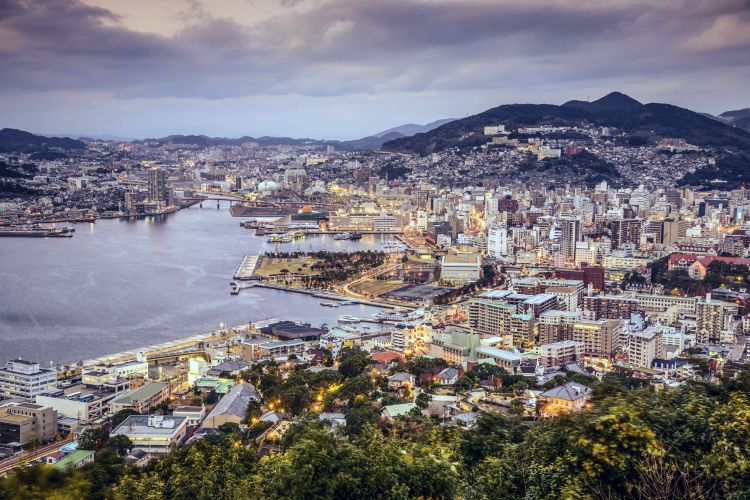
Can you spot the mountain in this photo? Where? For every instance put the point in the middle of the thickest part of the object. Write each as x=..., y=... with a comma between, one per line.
x=650, y=121
x=738, y=118
x=412, y=128
x=14, y=140
x=370, y=142
x=614, y=101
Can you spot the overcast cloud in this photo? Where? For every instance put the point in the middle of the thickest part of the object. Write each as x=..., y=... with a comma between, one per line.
x=343, y=68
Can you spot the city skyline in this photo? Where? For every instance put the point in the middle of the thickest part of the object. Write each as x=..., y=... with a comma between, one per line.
x=342, y=70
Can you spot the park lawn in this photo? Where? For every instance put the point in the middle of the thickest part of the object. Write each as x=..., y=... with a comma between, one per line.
x=375, y=288
x=273, y=266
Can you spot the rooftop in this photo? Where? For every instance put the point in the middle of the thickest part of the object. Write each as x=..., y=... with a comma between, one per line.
x=138, y=425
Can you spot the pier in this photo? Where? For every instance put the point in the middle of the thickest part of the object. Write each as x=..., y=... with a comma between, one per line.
x=247, y=267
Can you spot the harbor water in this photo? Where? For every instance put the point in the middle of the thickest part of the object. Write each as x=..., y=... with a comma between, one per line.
x=122, y=284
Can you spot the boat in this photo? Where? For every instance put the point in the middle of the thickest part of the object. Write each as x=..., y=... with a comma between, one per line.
x=345, y=318
x=330, y=304
x=384, y=316
x=235, y=290
x=276, y=238
x=347, y=302
x=355, y=236
x=286, y=238
x=342, y=236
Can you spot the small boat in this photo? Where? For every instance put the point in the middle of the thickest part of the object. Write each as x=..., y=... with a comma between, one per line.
x=342, y=236
x=330, y=304
x=355, y=236
x=347, y=302
x=345, y=318
x=274, y=239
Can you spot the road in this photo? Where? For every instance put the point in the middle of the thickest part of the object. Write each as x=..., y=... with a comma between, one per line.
x=29, y=456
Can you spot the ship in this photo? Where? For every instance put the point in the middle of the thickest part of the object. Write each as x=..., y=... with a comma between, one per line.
x=345, y=318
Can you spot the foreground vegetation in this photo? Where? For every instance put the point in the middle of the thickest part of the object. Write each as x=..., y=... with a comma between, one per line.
x=691, y=442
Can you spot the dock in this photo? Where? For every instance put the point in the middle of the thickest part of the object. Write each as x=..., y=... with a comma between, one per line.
x=248, y=266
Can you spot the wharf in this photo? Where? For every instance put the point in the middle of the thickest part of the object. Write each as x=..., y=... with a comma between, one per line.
x=247, y=267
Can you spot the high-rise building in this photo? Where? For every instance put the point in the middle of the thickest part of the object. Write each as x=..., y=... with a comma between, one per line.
x=570, y=234
x=715, y=320
x=626, y=231
x=157, y=185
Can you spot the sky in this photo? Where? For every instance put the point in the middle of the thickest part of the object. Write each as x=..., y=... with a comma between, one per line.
x=342, y=69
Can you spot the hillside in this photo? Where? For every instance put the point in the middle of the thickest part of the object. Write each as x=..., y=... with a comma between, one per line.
x=585, y=168
x=14, y=140
x=370, y=142
x=412, y=128
x=738, y=118
x=653, y=121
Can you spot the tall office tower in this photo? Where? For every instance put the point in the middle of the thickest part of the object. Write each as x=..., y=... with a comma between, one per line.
x=571, y=233
x=626, y=231
x=673, y=231
x=157, y=185
x=674, y=198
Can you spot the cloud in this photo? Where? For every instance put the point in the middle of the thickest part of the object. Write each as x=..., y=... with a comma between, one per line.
x=323, y=48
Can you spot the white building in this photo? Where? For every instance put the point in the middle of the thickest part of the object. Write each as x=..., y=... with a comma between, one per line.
x=157, y=434
x=644, y=346
x=497, y=242
x=461, y=268
x=26, y=380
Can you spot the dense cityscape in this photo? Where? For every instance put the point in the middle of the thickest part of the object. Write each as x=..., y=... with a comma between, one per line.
x=533, y=301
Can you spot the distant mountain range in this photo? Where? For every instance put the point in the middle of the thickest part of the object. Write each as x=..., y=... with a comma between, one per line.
x=739, y=118
x=14, y=140
x=412, y=128
x=649, y=121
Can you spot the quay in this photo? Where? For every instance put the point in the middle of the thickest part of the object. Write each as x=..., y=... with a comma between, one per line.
x=332, y=296
x=247, y=267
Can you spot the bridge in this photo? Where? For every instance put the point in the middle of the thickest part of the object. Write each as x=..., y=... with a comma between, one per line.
x=264, y=204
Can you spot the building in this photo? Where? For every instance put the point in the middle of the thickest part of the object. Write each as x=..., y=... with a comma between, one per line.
x=77, y=459
x=193, y=414
x=564, y=398
x=115, y=376
x=23, y=423
x=510, y=361
x=156, y=434
x=26, y=380
x=610, y=306
x=461, y=268
x=600, y=338
x=157, y=185
x=556, y=326
x=626, y=231
x=644, y=347
x=141, y=399
x=570, y=229
x=715, y=321
x=263, y=348
x=455, y=347
x=497, y=242
x=490, y=317
x=232, y=408
x=84, y=407
x=559, y=353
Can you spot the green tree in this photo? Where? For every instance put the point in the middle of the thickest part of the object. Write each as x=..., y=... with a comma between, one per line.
x=121, y=415
x=120, y=444
x=93, y=438
x=353, y=361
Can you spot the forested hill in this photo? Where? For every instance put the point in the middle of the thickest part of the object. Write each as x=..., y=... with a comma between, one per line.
x=614, y=110
x=14, y=140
